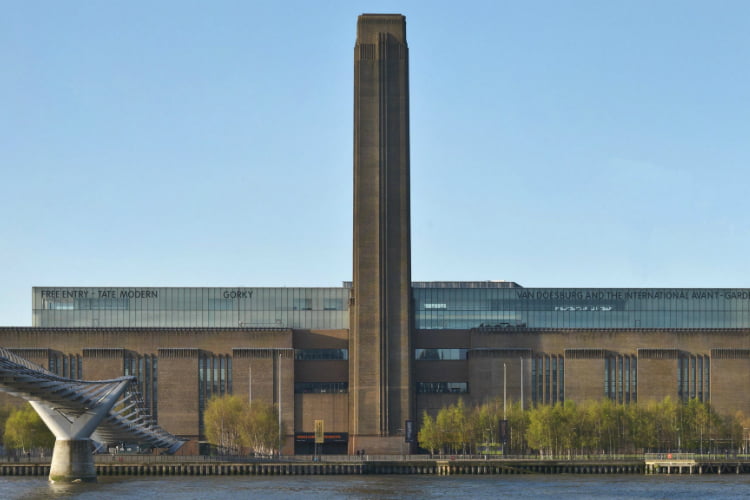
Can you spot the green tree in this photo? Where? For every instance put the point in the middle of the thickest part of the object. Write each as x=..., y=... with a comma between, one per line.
x=732, y=432
x=464, y=435
x=485, y=421
x=24, y=430
x=446, y=429
x=638, y=431
x=565, y=427
x=223, y=422
x=260, y=430
x=602, y=426
x=235, y=426
x=454, y=428
x=650, y=433
x=518, y=423
x=609, y=425
x=539, y=432
x=668, y=423
x=5, y=412
x=429, y=438
x=587, y=427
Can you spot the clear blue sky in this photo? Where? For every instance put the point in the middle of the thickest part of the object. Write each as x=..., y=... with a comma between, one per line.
x=185, y=143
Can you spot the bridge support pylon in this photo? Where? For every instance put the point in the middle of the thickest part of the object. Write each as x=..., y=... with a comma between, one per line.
x=72, y=458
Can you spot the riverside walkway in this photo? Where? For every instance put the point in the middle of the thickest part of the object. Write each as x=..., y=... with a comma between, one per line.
x=161, y=465
x=155, y=465
x=152, y=465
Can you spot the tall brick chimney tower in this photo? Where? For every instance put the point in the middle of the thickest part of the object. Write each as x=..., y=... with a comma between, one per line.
x=380, y=346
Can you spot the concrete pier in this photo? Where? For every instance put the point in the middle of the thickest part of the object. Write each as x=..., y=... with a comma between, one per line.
x=72, y=460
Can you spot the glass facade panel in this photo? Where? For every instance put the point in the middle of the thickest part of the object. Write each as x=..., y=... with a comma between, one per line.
x=464, y=308
x=460, y=305
x=304, y=308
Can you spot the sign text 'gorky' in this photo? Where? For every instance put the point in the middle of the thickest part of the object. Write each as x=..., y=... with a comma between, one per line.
x=238, y=294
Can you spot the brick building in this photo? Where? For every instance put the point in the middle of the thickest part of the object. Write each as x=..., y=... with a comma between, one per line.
x=375, y=353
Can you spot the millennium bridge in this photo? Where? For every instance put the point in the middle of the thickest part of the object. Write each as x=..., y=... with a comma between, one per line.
x=81, y=413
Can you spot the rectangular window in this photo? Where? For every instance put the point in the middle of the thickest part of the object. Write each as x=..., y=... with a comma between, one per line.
x=333, y=304
x=144, y=368
x=562, y=378
x=440, y=354
x=154, y=386
x=682, y=382
x=320, y=387
x=215, y=380
x=627, y=379
x=149, y=378
x=229, y=375
x=321, y=354
x=302, y=304
x=554, y=379
x=707, y=378
x=540, y=378
x=222, y=375
x=442, y=387
x=53, y=364
x=692, y=377
x=607, y=392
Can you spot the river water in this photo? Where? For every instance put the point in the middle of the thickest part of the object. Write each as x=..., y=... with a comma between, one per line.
x=383, y=486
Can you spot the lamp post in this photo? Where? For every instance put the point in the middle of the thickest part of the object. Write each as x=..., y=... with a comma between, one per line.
x=521, y=384
x=505, y=415
x=505, y=388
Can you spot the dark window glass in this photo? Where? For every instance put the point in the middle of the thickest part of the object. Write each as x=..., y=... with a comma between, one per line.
x=321, y=354
x=440, y=354
x=320, y=387
x=442, y=387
